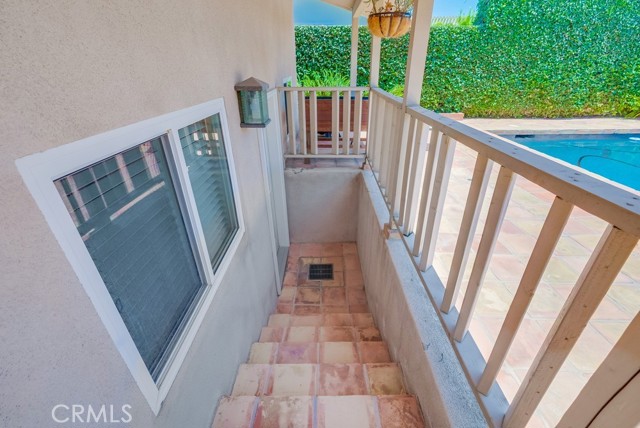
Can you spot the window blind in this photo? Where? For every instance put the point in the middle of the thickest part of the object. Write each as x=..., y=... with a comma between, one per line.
x=206, y=159
x=127, y=212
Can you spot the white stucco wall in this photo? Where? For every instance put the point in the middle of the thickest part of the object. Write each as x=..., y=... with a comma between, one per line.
x=73, y=69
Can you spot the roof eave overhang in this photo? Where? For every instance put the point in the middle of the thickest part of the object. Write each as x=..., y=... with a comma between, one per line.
x=356, y=7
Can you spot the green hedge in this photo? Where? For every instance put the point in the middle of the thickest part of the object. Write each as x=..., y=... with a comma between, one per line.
x=524, y=58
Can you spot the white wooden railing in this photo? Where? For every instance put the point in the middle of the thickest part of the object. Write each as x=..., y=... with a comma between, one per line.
x=343, y=126
x=411, y=151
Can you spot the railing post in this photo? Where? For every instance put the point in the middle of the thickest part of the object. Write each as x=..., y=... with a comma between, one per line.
x=291, y=123
x=397, y=149
x=335, y=122
x=427, y=186
x=438, y=195
x=417, y=172
x=313, y=121
x=302, y=118
x=417, y=56
x=372, y=132
x=497, y=210
x=374, y=72
x=381, y=109
x=407, y=170
x=385, y=146
x=475, y=199
x=346, y=119
x=357, y=122
x=622, y=409
x=540, y=256
x=618, y=368
x=355, y=24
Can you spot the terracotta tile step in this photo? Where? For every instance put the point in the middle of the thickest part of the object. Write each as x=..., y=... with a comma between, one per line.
x=319, y=379
x=291, y=309
x=320, y=334
x=349, y=279
x=355, y=411
x=332, y=319
x=316, y=295
x=318, y=352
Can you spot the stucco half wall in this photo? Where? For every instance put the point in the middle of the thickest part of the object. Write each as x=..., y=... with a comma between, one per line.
x=73, y=69
x=408, y=321
x=322, y=204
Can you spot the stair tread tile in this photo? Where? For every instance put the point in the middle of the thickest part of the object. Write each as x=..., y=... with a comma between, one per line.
x=301, y=334
x=306, y=320
x=353, y=411
x=341, y=379
x=272, y=334
x=307, y=310
x=337, y=320
x=338, y=352
x=373, y=352
x=276, y=412
x=309, y=296
x=335, y=296
x=279, y=320
x=336, y=334
x=367, y=334
x=359, y=308
x=287, y=295
x=235, y=412
x=385, y=379
x=293, y=379
x=334, y=309
x=263, y=353
x=363, y=320
x=400, y=412
x=284, y=308
x=297, y=353
x=252, y=379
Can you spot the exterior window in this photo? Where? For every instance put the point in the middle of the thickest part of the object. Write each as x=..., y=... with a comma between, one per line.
x=204, y=153
x=127, y=212
x=149, y=218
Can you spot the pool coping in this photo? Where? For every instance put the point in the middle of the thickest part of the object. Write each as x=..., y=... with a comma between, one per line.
x=564, y=131
x=556, y=126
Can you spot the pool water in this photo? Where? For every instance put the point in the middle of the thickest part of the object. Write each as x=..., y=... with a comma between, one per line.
x=614, y=156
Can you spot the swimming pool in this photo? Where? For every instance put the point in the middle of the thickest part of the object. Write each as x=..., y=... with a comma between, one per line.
x=614, y=156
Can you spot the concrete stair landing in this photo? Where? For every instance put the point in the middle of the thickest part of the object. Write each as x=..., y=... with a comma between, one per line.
x=320, y=362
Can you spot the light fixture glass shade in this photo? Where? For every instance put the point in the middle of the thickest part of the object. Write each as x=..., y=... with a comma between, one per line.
x=252, y=99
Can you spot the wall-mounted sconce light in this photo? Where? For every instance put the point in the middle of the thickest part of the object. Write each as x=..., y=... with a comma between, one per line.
x=252, y=98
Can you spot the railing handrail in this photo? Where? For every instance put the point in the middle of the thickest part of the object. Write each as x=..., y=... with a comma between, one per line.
x=322, y=88
x=601, y=197
x=393, y=99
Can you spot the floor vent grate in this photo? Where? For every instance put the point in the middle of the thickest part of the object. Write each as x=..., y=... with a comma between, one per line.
x=320, y=271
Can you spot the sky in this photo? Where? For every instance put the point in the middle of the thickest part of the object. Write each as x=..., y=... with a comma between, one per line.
x=316, y=12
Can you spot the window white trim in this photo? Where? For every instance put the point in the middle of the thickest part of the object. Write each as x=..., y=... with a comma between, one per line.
x=273, y=176
x=276, y=160
x=41, y=169
x=267, y=190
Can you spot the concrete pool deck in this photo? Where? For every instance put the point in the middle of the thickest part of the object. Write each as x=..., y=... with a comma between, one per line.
x=588, y=125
